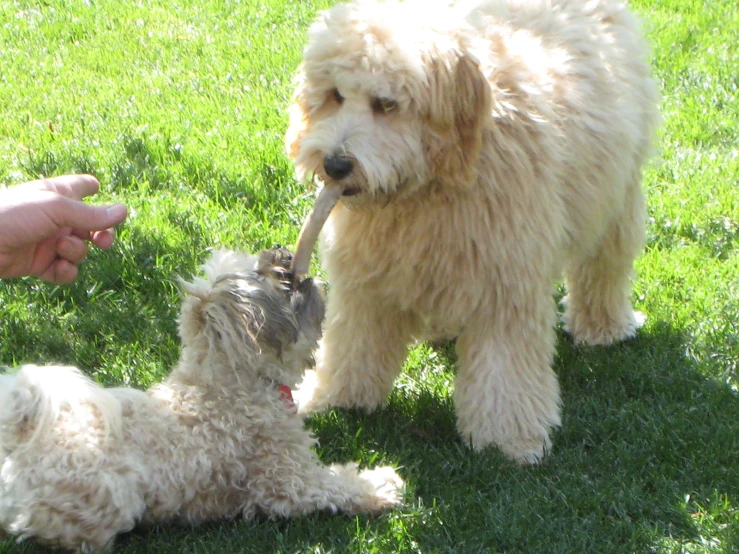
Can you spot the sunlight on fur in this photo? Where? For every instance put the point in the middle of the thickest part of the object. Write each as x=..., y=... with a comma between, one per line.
x=81, y=464
x=484, y=150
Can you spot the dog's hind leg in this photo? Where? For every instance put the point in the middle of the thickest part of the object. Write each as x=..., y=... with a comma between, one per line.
x=598, y=306
x=360, y=356
x=506, y=393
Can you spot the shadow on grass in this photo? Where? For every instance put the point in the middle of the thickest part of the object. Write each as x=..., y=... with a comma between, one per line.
x=645, y=462
x=118, y=321
x=126, y=297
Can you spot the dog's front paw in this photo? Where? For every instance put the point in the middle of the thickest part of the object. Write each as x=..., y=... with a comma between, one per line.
x=527, y=448
x=387, y=485
x=593, y=327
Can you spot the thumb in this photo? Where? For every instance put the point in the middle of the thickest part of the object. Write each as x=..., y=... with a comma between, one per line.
x=86, y=217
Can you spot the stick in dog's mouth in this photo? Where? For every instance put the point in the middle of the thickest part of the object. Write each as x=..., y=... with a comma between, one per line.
x=325, y=202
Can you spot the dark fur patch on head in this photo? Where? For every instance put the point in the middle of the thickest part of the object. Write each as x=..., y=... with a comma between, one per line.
x=245, y=312
x=255, y=310
x=259, y=310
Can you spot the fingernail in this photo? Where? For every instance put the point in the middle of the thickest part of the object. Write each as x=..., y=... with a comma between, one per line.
x=117, y=211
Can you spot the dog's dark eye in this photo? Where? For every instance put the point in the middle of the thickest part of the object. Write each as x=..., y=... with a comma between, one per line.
x=337, y=96
x=383, y=105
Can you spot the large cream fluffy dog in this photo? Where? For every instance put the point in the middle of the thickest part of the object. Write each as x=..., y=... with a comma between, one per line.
x=483, y=150
x=81, y=464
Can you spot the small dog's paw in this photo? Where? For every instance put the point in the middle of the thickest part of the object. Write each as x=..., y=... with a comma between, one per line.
x=387, y=484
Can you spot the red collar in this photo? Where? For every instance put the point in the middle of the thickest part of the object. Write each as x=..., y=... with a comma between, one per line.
x=286, y=395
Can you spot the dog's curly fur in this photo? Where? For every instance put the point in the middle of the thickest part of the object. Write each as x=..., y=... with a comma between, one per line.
x=81, y=464
x=484, y=149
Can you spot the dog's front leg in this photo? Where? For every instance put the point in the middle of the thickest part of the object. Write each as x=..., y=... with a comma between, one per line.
x=303, y=485
x=506, y=392
x=361, y=354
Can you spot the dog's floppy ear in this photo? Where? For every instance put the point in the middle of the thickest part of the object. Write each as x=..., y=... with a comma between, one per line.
x=298, y=116
x=458, y=107
x=309, y=307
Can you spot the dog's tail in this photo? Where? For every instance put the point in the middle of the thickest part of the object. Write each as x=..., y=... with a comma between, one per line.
x=35, y=398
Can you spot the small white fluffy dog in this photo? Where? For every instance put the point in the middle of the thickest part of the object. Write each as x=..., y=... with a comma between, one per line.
x=219, y=438
x=483, y=150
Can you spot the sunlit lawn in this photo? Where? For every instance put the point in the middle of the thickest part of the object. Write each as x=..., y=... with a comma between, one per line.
x=179, y=109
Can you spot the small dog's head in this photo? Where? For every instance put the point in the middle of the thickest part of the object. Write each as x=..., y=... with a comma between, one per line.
x=249, y=315
x=387, y=101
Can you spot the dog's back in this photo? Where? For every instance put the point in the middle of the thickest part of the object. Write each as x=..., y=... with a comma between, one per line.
x=54, y=423
x=37, y=396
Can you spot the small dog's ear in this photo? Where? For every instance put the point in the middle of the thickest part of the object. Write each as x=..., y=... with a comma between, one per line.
x=299, y=114
x=309, y=307
x=459, y=105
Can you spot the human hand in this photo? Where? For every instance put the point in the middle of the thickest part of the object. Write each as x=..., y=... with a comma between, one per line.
x=45, y=227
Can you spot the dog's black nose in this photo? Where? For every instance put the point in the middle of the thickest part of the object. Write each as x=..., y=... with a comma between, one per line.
x=337, y=166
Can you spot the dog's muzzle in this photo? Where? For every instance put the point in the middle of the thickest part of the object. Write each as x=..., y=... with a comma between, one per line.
x=337, y=166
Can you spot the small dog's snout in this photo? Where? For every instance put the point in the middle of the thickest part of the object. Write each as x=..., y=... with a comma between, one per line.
x=337, y=166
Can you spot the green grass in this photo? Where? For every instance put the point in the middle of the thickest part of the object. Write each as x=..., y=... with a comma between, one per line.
x=179, y=108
